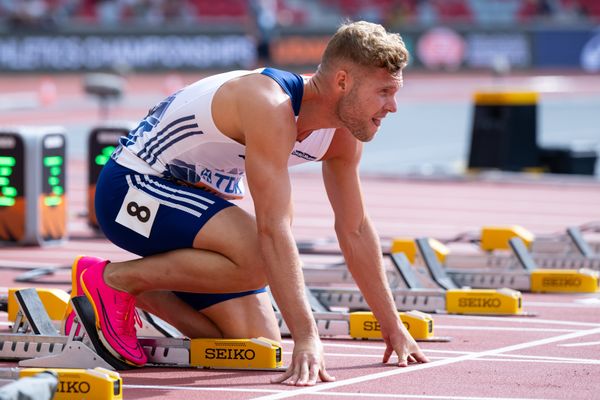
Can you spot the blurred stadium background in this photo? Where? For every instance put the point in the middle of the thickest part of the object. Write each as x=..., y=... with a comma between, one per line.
x=49, y=50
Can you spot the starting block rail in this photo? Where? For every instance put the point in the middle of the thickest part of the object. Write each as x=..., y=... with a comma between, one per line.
x=400, y=275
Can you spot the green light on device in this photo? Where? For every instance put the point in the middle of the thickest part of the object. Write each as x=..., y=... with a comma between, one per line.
x=6, y=161
x=104, y=156
x=53, y=161
x=9, y=191
x=4, y=181
x=51, y=201
x=6, y=201
x=5, y=171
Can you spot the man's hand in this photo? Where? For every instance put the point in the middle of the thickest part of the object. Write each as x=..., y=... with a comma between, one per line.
x=308, y=364
x=406, y=348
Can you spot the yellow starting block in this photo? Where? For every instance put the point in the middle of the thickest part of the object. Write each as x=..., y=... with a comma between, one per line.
x=257, y=353
x=497, y=237
x=564, y=280
x=409, y=248
x=363, y=325
x=77, y=384
x=55, y=302
x=484, y=301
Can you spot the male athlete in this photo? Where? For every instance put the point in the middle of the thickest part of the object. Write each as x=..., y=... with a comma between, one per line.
x=165, y=195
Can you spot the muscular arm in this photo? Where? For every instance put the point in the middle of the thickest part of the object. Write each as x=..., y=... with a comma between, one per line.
x=270, y=133
x=360, y=243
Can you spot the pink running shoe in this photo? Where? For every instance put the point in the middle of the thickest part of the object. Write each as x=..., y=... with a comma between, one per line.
x=115, y=316
x=80, y=264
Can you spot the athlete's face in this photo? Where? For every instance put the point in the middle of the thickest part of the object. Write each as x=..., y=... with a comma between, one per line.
x=369, y=98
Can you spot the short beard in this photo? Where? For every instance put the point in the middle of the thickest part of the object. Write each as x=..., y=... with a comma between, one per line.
x=346, y=110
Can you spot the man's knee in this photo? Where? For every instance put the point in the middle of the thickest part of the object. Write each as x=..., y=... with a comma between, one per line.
x=254, y=274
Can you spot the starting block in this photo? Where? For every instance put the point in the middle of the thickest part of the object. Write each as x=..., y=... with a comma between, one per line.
x=75, y=384
x=258, y=353
x=442, y=295
x=54, y=300
x=568, y=280
x=529, y=277
x=568, y=251
x=363, y=325
x=360, y=324
x=35, y=342
x=482, y=301
x=523, y=275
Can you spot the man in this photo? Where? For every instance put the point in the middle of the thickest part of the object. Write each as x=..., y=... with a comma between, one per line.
x=164, y=196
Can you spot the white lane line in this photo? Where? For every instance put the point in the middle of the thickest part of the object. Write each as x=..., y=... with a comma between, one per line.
x=524, y=320
x=502, y=328
x=202, y=389
x=418, y=367
x=579, y=344
x=498, y=358
x=560, y=359
x=437, y=351
x=561, y=305
x=589, y=301
x=338, y=394
x=363, y=395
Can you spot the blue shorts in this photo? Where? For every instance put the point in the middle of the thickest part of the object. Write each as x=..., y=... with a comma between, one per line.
x=146, y=215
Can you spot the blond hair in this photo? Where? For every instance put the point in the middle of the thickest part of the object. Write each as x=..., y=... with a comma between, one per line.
x=366, y=44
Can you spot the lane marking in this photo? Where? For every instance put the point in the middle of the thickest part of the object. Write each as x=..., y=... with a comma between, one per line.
x=202, y=389
x=525, y=320
x=338, y=394
x=587, y=304
x=502, y=328
x=589, y=301
x=497, y=358
x=418, y=367
x=579, y=344
x=561, y=359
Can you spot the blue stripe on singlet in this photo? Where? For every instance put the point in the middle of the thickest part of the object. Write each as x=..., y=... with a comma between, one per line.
x=292, y=84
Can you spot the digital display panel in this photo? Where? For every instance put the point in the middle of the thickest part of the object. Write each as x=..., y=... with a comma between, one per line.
x=53, y=196
x=101, y=144
x=12, y=187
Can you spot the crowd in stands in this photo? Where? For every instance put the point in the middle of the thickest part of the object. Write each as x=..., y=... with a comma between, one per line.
x=51, y=13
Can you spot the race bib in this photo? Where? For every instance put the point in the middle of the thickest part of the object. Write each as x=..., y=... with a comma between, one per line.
x=138, y=212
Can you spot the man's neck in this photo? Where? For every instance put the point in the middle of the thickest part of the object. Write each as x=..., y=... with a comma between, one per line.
x=317, y=109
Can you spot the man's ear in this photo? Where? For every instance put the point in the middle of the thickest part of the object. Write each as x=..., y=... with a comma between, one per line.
x=342, y=80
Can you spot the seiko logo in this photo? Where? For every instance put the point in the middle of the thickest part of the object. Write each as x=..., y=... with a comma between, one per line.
x=373, y=326
x=7, y=142
x=479, y=302
x=561, y=282
x=73, y=387
x=229, y=354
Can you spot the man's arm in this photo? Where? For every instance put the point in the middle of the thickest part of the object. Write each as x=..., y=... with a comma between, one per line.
x=270, y=133
x=360, y=244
